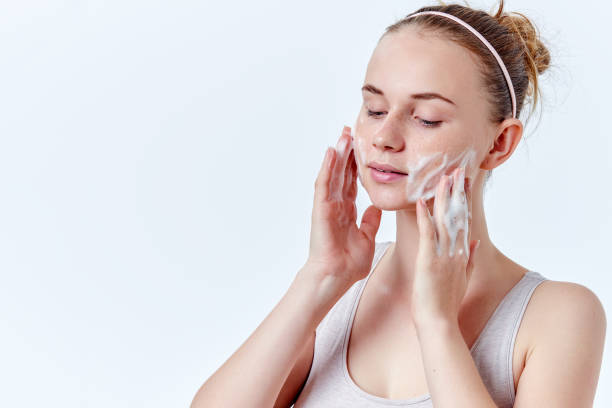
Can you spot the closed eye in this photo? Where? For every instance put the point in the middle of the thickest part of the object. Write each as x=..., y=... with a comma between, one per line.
x=426, y=123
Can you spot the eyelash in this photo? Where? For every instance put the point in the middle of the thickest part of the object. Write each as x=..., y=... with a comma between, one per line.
x=427, y=123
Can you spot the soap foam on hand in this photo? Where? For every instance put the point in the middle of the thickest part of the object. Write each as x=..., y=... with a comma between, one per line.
x=456, y=215
x=343, y=150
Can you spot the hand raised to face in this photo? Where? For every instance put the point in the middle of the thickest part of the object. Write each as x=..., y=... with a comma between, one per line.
x=444, y=259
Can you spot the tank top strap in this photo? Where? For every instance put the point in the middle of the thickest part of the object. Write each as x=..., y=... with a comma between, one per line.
x=325, y=385
x=493, y=350
x=343, y=306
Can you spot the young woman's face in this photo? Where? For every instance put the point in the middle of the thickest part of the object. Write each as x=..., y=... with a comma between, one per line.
x=411, y=129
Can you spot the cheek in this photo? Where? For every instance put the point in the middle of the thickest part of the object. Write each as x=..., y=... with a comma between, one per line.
x=359, y=145
x=432, y=155
x=424, y=175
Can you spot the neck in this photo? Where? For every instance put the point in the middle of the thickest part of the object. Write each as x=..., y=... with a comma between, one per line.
x=401, y=257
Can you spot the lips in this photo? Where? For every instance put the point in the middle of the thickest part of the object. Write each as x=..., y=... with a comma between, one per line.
x=387, y=168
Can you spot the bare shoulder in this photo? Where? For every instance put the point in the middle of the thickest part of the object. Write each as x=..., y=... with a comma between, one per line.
x=566, y=324
x=564, y=305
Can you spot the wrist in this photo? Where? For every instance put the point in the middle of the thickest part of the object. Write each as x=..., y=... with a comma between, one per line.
x=435, y=324
x=321, y=289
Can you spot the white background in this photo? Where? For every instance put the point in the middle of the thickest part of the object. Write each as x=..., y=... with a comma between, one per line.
x=157, y=167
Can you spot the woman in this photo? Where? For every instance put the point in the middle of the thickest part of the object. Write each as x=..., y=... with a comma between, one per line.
x=433, y=318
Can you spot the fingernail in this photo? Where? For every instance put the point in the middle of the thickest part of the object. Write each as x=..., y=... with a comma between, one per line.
x=477, y=245
x=343, y=145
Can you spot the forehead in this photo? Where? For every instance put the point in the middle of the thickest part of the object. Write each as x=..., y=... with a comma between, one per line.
x=413, y=60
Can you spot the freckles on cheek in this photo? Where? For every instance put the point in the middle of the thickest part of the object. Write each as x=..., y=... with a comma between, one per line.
x=424, y=174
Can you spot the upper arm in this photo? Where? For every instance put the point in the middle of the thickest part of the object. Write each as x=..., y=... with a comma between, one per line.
x=297, y=377
x=564, y=359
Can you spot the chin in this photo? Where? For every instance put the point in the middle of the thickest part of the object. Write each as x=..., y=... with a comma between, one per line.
x=390, y=198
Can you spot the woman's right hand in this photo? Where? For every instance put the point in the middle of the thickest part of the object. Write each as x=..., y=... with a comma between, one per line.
x=338, y=247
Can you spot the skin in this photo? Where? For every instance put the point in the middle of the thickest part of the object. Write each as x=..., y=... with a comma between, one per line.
x=399, y=136
x=442, y=296
x=440, y=299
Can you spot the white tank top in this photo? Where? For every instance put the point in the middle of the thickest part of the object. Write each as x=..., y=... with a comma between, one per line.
x=330, y=385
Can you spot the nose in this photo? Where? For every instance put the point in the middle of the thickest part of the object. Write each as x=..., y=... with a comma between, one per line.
x=388, y=136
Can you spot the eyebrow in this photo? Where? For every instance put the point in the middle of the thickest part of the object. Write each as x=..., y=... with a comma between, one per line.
x=425, y=95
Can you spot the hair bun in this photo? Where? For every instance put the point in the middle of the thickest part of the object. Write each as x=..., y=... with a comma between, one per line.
x=537, y=56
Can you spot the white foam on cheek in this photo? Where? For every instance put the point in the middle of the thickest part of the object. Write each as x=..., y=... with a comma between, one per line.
x=415, y=191
x=419, y=183
x=359, y=149
x=416, y=172
x=456, y=216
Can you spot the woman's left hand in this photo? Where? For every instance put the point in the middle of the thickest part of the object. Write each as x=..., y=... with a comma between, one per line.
x=445, y=254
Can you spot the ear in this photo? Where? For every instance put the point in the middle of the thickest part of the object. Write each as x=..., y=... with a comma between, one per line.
x=508, y=136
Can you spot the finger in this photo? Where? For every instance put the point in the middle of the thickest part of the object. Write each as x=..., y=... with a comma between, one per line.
x=349, y=175
x=468, y=199
x=323, y=179
x=337, y=179
x=442, y=197
x=427, y=230
x=346, y=130
x=458, y=190
x=459, y=208
x=370, y=221
x=346, y=134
